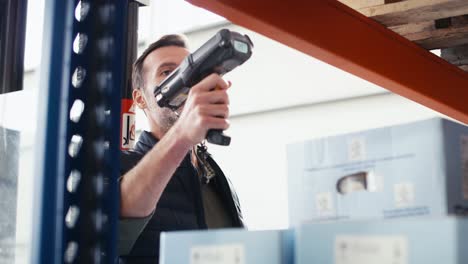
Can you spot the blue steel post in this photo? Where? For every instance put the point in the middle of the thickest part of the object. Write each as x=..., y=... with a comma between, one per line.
x=83, y=64
x=46, y=246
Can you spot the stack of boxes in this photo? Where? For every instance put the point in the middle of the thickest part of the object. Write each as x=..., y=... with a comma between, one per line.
x=387, y=196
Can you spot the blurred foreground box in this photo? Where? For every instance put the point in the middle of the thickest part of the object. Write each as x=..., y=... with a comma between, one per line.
x=227, y=246
x=396, y=241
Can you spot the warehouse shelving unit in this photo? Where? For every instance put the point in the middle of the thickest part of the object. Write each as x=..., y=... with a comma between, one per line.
x=84, y=63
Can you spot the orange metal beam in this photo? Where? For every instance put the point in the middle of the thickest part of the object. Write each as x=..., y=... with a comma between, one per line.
x=340, y=36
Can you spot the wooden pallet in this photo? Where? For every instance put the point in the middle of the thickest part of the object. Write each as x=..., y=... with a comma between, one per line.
x=432, y=24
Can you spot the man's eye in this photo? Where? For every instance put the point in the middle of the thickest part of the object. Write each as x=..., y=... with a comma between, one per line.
x=166, y=73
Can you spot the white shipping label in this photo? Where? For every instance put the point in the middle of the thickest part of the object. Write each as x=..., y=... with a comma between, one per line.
x=223, y=254
x=464, y=162
x=371, y=250
x=404, y=195
x=357, y=149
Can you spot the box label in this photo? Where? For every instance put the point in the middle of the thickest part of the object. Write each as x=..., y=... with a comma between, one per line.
x=357, y=149
x=324, y=204
x=464, y=162
x=223, y=254
x=371, y=250
x=404, y=194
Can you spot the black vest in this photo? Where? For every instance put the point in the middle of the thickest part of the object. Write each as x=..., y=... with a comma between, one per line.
x=180, y=206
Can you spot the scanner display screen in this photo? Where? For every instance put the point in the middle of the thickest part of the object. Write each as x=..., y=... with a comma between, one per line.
x=241, y=46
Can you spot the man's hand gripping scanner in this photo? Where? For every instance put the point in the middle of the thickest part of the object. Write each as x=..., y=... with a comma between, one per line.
x=220, y=54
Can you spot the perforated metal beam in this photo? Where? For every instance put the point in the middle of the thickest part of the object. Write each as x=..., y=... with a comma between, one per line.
x=78, y=132
x=336, y=34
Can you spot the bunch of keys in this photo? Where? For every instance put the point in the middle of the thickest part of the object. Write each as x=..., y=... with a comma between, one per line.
x=207, y=172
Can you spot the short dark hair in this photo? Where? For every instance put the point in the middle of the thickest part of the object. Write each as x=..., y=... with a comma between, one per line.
x=138, y=79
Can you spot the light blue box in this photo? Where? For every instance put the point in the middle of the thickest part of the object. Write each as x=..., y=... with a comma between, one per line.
x=396, y=241
x=407, y=170
x=227, y=246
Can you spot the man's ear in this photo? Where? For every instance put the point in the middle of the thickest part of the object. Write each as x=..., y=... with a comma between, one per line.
x=139, y=99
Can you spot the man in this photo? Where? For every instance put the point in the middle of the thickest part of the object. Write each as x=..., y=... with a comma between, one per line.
x=168, y=182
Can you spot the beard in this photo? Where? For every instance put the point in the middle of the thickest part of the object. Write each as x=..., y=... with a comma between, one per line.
x=166, y=118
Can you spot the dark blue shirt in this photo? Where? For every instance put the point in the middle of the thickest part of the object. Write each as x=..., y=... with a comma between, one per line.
x=179, y=208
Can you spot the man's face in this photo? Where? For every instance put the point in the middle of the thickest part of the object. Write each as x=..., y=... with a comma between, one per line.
x=156, y=67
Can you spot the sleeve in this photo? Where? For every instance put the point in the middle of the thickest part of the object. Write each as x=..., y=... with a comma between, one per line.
x=129, y=231
x=129, y=228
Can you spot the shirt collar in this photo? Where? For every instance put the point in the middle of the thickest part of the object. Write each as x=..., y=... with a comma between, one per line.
x=145, y=142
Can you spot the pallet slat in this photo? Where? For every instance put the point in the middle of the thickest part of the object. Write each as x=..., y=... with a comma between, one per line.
x=431, y=36
x=443, y=38
x=432, y=24
x=413, y=11
x=358, y=4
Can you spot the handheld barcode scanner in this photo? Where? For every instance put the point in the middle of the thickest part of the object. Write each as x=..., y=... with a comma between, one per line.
x=222, y=53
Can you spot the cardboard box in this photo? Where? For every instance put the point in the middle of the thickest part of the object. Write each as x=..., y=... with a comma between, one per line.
x=227, y=246
x=407, y=170
x=396, y=241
